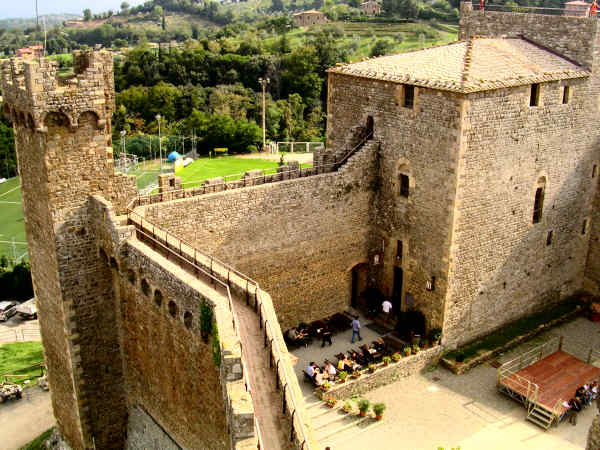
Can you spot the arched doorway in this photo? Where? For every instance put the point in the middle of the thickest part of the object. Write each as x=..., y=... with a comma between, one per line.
x=369, y=127
x=360, y=273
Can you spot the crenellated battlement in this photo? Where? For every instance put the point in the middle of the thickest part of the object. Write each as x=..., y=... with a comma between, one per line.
x=33, y=88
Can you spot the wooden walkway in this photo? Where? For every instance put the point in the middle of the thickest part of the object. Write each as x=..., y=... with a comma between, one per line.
x=557, y=375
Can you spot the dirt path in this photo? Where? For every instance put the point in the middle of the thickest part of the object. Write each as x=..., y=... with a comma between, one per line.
x=21, y=421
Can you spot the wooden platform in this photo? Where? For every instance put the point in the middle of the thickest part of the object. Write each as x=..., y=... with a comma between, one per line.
x=558, y=376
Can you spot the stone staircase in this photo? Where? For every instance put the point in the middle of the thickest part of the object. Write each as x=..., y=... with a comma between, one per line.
x=333, y=427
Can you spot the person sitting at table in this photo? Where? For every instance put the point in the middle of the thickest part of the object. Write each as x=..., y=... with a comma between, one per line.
x=330, y=370
x=366, y=353
x=353, y=361
x=379, y=345
x=312, y=370
x=295, y=336
x=594, y=390
x=325, y=333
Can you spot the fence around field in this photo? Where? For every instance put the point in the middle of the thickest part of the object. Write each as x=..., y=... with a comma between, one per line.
x=570, y=11
x=21, y=334
x=296, y=147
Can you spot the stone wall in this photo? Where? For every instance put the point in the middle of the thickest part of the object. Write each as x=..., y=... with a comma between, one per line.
x=385, y=375
x=170, y=370
x=575, y=38
x=298, y=238
x=144, y=433
x=503, y=266
x=593, y=442
x=422, y=143
x=63, y=138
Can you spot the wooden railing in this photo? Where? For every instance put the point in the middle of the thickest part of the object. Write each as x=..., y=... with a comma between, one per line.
x=226, y=276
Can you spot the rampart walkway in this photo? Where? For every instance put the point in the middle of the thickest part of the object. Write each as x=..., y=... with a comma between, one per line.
x=271, y=425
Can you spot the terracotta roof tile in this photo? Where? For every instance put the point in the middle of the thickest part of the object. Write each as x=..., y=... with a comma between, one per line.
x=478, y=64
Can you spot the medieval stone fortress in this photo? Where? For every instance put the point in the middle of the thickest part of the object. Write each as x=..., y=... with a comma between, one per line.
x=460, y=180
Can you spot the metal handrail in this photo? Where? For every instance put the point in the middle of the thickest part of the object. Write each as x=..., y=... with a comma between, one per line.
x=354, y=149
x=131, y=212
x=142, y=200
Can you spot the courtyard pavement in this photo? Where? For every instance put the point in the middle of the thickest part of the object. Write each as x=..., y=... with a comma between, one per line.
x=439, y=409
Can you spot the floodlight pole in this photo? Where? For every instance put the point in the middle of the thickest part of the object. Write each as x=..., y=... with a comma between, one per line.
x=159, y=142
x=263, y=82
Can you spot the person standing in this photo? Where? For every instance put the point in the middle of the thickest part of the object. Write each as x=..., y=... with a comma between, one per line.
x=356, y=329
x=386, y=307
x=325, y=335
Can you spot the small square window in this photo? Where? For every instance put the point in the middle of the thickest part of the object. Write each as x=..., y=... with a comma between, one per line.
x=399, y=250
x=566, y=94
x=594, y=171
x=534, y=99
x=404, y=186
x=549, y=238
x=409, y=96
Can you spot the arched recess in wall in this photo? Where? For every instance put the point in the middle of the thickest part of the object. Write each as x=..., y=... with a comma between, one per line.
x=131, y=276
x=88, y=118
x=56, y=121
x=114, y=264
x=146, y=288
x=538, y=199
x=30, y=122
x=173, y=309
x=403, y=179
x=188, y=319
x=21, y=121
x=158, y=298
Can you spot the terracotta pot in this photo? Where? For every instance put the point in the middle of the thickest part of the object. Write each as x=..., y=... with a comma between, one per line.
x=363, y=413
x=379, y=417
x=342, y=380
x=331, y=405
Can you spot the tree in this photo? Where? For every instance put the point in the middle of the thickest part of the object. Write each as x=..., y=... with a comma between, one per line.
x=124, y=6
x=277, y=5
x=381, y=47
x=87, y=14
x=157, y=12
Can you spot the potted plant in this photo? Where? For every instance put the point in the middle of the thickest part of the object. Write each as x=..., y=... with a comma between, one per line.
x=372, y=368
x=356, y=374
x=331, y=401
x=425, y=344
x=386, y=360
x=342, y=376
x=325, y=386
x=460, y=357
x=406, y=351
x=415, y=349
x=435, y=335
x=347, y=407
x=378, y=409
x=396, y=357
x=363, y=406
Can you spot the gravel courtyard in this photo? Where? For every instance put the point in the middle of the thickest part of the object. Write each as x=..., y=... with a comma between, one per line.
x=440, y=409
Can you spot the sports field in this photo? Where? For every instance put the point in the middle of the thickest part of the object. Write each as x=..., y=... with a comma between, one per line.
x=13, y=242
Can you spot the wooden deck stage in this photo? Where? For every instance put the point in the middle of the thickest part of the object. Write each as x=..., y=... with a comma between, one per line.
x=558, y=376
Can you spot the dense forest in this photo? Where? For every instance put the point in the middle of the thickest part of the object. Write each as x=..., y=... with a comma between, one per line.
x=209, y=86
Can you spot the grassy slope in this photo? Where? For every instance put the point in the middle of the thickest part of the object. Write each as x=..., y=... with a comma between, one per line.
x=17, y=356
x=38, y=442
x=12, y=224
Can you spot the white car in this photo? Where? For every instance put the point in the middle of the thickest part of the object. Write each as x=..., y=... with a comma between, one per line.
x=7, y=310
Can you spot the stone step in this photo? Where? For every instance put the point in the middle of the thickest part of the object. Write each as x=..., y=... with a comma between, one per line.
x=342, y=437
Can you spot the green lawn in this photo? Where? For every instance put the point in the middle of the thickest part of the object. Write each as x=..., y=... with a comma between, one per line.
x=230, y=166
x=12, y=225
x=14, y=357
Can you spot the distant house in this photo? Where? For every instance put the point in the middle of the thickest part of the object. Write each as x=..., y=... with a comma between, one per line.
x=370, y=8
x=311, y=17
x=577, y=8
x=33, y=51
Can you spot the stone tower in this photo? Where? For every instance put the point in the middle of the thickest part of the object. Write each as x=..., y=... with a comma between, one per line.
x=63, y=143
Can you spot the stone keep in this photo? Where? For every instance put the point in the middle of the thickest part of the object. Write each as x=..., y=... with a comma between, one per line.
x=63, y=143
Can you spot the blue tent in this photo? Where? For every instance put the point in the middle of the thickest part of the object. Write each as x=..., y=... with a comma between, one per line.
x=173, y=156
